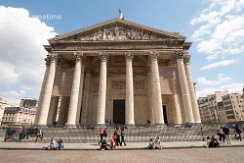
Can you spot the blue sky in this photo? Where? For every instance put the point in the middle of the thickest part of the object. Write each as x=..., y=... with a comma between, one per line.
x=215, y=27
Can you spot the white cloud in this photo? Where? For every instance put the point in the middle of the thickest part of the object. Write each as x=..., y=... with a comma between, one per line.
x=13, y=97
x=222, y=83
x=22, y=53
x=206, y=91
x=218, y=64
x=230, y=87
x=220, y=29
x=8, y=73
x=222, y=78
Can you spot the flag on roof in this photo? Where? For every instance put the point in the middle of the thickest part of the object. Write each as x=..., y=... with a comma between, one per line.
x=121, y=16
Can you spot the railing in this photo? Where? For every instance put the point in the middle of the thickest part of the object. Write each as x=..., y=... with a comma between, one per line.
x=135, y=134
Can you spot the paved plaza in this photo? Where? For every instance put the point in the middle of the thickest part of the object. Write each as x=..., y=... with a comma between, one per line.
x=217, y=155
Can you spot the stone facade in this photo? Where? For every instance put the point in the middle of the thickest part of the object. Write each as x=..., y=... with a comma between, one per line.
x=2, y=107
x=18, y=116
x=117, y=72
x=222, y=107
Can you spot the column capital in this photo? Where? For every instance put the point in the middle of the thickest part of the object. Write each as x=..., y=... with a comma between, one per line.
x=50, y=59
x=54, y=58
x=153, y=55
x=103, y=56
x=129, y=55
x=47, y=60
x=79, y=57
x=187, y=63
x=179, y=54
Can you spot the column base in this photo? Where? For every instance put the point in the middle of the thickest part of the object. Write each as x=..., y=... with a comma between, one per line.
x=97, y=126
x=40, y=126
x=189, y=125
x=159, y=125
x=129, y=126
x=70, y=126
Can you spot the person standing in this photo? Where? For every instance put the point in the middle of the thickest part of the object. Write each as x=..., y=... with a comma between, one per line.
x=101, y=131
x=227, y=134
x=105, y=134
x=220, y=133
x=122, y=134
x=117, y=133
x=238, y=131
x=39, y=134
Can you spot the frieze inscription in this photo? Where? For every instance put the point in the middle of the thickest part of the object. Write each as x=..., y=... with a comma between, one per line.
x=121, y=84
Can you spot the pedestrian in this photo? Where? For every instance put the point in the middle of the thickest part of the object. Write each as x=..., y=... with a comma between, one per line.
x=105, y=134
x=117, y=133
x=122, y=134
x=101, y=130
x=238, y=132
x=110, y=122
x=227, y=134
x=112, y=142
x=39, y=134
x=220, y=133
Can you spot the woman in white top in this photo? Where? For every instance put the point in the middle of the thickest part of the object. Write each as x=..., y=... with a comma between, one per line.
x=157, y=143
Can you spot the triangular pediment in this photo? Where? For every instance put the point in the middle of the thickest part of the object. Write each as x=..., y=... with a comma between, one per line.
x=117, y=30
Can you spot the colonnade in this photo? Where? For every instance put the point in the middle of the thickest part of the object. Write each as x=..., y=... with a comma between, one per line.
x=190, y=109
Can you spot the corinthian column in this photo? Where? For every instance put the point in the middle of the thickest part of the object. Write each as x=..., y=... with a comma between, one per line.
x=71, y=121
x=194, y=103
x=129, y=110
x=156, y=90
x=102, y=91
x=177, y=112
x=42, y=90
x=47, y=91
x=184, y=89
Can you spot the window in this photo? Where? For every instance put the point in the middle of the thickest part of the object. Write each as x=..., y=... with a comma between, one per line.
x=231, y=117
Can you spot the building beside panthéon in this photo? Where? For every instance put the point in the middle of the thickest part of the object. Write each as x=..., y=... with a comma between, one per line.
x=24, y=114
x=3, y=103
x=117, y=72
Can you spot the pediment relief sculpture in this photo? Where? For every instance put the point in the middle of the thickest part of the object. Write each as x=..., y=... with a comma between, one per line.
x=117, y=33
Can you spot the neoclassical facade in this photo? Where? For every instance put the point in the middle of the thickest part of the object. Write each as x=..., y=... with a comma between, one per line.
x=117, y=72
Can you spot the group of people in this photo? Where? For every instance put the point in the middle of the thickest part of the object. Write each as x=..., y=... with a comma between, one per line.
x=223, y=133
x=53, y=145
x=155, y=143
x=117, y=139
x=212, y=142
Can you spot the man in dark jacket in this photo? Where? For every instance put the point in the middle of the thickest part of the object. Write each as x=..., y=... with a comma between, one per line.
x=238, y=131
x=227, y=134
